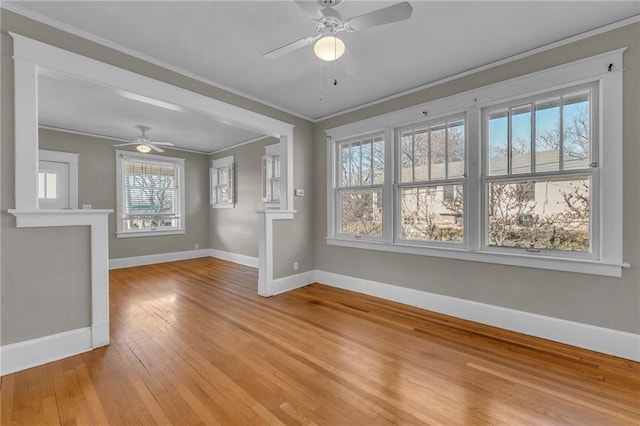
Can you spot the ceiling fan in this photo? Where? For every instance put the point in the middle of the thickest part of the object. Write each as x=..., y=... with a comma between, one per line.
x=144, y=144
x=329, y=22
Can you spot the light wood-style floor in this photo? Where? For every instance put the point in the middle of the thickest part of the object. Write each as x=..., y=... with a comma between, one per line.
x=192, y=343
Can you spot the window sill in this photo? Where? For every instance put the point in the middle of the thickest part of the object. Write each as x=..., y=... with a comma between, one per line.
x=222, y=206
x=149, y=233
x=591, y=267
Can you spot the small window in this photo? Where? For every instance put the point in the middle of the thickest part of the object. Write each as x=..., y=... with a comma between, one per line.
x=47, y=181
x=222, y=183
x=150, y=194
x=271, y=176
x=360, y=186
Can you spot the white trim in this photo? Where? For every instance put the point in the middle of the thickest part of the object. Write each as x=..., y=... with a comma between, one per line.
x=31, y=353
x=70, y=158
x=220, y=163
x=613, y=342
x=240, y=259
x=239, y=144
x=152, y=259
x=152, y=232
x=97, y=221
x=291, y=282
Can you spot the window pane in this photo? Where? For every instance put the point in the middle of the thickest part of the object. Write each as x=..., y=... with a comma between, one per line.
x=41, y=185
x=367, y=171
x=438, y=152
x=545, y=214
x=344, y=165
x=421, y=153
x=378, y=161
x=223, y=176
x=406, y=157
x=51, y=188
x=432, y=213
x=576, y=132
x=498, y=143
x=455, y=167
x=521, y=139
x=361, y=212
x=548, y=135
x=355, y=165
x=276, y=166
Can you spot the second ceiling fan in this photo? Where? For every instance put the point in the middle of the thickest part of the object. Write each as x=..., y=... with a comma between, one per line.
x=328, y=22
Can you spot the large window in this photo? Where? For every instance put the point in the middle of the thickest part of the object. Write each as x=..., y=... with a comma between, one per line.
x=150, y=194
x=431, y=181
x=221, y=185
x=526, y=172
x=540, y=164
x=359, y=190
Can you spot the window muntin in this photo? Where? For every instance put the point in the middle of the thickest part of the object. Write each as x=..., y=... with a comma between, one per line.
x=359, y=193
x=150, y=193
x=549, y=142
x=222, y=181
x=431, y=181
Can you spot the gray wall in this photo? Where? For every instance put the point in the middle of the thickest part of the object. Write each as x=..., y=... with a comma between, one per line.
x=97, y=186
x=607, y=302
x=20, y=279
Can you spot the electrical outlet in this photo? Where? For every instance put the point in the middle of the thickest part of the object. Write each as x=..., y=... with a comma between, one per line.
x=299, y=192
x=295, y=266
x=196, y=247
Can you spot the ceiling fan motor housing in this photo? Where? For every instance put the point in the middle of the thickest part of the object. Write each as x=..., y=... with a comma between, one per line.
x=329, y=3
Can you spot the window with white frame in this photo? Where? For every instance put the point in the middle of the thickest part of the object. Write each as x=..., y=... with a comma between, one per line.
x=431, y=181
x=359, y=187
x=271, y=176
x=512, y=173
x=540, y=164
x=150, y=194
x=222, y=183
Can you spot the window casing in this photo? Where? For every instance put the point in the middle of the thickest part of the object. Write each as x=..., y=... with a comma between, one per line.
x=150, y=194
x=569, y=215
x=271, y=183
x=222, y=183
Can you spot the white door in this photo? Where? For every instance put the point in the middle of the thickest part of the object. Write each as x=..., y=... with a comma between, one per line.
x=53, y=180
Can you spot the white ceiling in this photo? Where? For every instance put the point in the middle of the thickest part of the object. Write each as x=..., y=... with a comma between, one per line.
x=81, y=106
x=223, y=42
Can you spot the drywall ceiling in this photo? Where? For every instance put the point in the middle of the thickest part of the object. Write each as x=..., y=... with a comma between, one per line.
x=81, y=106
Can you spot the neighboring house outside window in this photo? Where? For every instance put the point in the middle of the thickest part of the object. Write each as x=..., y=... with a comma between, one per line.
x=151, y=196
x=271, y=176
x=222, y=183
x=526, y=172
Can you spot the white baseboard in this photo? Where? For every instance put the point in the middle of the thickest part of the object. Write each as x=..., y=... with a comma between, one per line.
x=31, y=353
x=240, y=259
x=126, y=262
x=291, y=282
x=599, y=339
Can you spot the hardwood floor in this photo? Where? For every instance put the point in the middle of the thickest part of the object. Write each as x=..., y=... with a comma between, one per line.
x=192, y=343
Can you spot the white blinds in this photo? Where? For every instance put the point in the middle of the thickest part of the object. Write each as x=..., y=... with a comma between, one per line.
x=150, y=189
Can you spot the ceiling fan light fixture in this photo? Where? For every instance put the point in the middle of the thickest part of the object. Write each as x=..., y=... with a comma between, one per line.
x=143, y=148
x=329, y=48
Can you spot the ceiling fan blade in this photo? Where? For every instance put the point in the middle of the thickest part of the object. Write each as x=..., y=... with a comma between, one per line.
x=163, y=143
x=288, y=48
x=348, y=63
x=127, y=144
x=387, y=15
x=155, y=148
x=310, y=8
